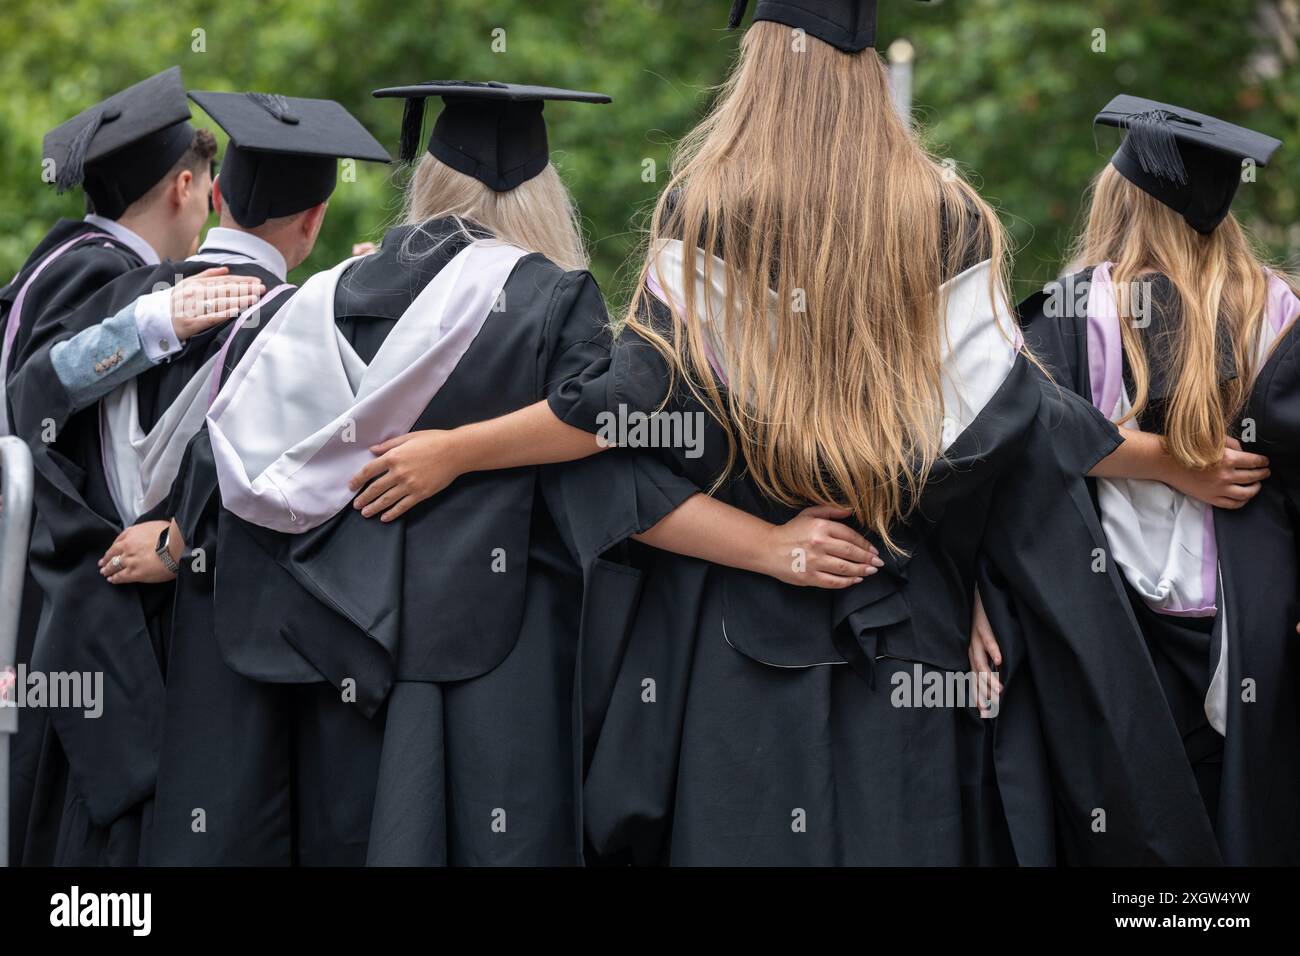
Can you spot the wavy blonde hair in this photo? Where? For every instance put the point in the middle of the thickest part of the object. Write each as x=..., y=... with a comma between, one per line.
x=538, y=215
x=803, y=180
x=1220, y=280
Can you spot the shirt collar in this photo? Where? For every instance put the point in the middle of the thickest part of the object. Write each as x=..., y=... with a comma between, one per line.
x=245, y=245
x=128, y=237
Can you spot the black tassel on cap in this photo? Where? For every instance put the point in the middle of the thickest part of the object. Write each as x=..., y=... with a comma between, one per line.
x=276, y=105
x=737, y=13
x=73, y=171
x=412, y=125
x=1152, y=140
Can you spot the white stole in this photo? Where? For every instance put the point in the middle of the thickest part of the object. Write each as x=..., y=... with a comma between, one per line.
x=141, y=466
x=296, y=418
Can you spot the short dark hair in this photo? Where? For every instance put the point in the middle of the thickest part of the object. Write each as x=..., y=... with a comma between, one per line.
x=202, y=152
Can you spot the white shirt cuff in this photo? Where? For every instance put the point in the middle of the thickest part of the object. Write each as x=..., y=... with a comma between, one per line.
x=153, y=320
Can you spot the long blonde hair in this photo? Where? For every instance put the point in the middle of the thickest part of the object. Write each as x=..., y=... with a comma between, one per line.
x=805, y=181
x=1221, y=284
x=538, y=215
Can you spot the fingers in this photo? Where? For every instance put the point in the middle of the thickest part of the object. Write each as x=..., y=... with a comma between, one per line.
x=214, y=271
x=385, y=501
x=825, y=511
x=841, y=568
x=852, y=553
x=387, y=446
x=401, y=508
x=113, y=569
x=987, y=682
x=1232, y=443
x=1249, y=476
x=1244, y=460
x=372, y=470
x=1242, y=493
x=979, y=662
x=844, y=533
x=203, y=298
x=831, y=582
x=373, y=491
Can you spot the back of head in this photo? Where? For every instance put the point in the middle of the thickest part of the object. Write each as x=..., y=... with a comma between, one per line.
x=805, y=181
x=537, y=215
x=199, y=156
x=1221, y=287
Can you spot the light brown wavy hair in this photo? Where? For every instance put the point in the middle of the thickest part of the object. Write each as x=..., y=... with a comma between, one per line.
x=1221, y=281
x=804, y=180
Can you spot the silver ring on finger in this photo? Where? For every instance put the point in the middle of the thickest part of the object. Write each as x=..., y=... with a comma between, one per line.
x=116, y=563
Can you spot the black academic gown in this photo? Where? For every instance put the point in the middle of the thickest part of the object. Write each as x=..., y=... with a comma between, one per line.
x=732, y=719
x=96, y=780
x=400, y=693
x=56, y=292
x=1240, y=779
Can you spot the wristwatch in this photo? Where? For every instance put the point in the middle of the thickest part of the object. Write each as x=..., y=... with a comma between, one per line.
x=164, y=554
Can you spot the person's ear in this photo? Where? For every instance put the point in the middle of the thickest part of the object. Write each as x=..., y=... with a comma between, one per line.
x=218, y=201
x=314, y=219
x=181, y=187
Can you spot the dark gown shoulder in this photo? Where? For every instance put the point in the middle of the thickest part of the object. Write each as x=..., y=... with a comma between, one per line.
x=382, y=285
x=63, y=285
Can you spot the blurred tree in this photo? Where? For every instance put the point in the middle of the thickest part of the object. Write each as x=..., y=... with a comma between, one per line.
x=1007, y=88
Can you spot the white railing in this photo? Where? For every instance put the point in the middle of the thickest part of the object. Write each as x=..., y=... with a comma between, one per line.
x=15, y=527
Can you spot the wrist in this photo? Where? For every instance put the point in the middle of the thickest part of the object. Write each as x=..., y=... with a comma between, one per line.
x=163, y=549
x=1169, y=471
x=175, y=543
x=762, y=551
x=464, y=450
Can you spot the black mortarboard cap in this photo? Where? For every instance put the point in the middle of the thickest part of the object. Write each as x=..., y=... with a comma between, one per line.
x=1189, y=161
x=849, y=25
x=284, y=151
x=119, y=149
x=491, y=131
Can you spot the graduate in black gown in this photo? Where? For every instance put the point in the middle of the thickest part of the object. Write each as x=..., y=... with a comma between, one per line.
x=146, y=175
x=402, y=692
x=1163, y=325
x=142, y=369
x=862, y=357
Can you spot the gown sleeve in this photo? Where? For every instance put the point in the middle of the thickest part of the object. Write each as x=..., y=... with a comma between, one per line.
x=628, y=372
x=618, y=492
x=56, y=297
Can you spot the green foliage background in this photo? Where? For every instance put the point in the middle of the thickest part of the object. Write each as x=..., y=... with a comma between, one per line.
x=1007, y=88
